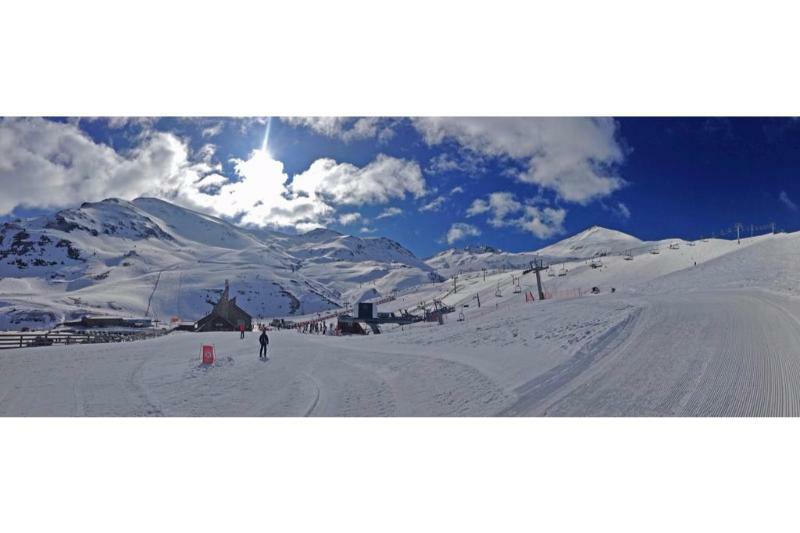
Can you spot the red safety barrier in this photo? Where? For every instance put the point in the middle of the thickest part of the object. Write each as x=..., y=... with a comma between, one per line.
x=529, y=297
x=208, y=354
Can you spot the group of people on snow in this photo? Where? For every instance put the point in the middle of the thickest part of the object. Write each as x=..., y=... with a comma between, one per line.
x=316, y=328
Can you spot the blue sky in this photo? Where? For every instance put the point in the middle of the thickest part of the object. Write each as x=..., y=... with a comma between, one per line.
x=429, y=183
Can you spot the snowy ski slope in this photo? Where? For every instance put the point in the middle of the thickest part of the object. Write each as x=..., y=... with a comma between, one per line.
x=718, y=339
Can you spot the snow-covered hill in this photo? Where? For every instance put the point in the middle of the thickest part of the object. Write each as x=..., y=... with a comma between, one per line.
x=586, y=244
x=594, y=242
x=591, y=242
x=460, y=260
x=152, y=257
x=628, y=266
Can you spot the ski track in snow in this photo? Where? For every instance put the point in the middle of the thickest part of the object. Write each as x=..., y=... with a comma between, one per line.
x=553, y=381
x=305, y=376
x=722, y=353
x=315, y=401
x=715, y=353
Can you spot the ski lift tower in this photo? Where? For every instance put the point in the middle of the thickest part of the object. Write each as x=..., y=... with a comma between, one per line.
x=537, y=265
x=739, y=227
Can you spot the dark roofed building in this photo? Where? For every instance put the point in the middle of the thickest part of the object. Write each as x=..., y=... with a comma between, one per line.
x=226, y=316
x=109, y=322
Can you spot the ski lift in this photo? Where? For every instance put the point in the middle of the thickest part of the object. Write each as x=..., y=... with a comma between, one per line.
x=497, y=293
x=691, y=243
x=654, y=251
x=628, y=256
x=596, y=263
x=461, y=317
x=562, y=272
x=550, y=273
x=674, y=246
x=517, y=289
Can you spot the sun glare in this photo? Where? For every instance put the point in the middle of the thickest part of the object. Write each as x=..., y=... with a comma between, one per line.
x=265, y=144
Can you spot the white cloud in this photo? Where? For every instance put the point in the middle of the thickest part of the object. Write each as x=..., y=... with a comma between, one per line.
x=210, y=183
x=457, y=190
x=478, y=207
x=117, y=122
x=434, y=205
x=467, y=162
x=574, y=157
x=460, y=230
x=501, y=204
x=784, y=198
x=543, y=222
x=349, y=218
x=623, y=211
x=206, y=154
x=265, y=196
x=366, y=229
x=212, y=131
x=389, y=212
x=121, y=122
x=345, y=128
x=506, y=211
x=261, y=197
x=46, y=164
x=380, y=181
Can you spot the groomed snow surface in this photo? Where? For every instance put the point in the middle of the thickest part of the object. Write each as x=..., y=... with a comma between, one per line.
x=718, y=339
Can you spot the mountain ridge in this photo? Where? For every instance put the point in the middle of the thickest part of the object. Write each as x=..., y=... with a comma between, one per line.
x=110, y=256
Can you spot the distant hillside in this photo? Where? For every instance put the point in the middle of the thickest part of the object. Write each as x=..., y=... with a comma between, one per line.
x=119, y=257
x=586, y=244
x=591, y=242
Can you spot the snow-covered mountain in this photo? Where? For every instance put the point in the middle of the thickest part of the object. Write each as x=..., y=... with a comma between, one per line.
x=459, y=260
x=152, y=257
x=586, y=244
x=590, y=243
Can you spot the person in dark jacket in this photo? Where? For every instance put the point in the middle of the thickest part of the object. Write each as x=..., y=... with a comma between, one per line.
x=264, y=340
x=241, y=331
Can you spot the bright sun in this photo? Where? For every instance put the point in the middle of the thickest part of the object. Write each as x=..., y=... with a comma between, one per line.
x=265, y=144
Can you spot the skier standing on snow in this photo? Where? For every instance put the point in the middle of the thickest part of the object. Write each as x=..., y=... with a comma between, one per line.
x=264, y=340
x=241, y=331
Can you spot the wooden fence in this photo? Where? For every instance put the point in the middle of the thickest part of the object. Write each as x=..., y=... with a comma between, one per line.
x=26, y=340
